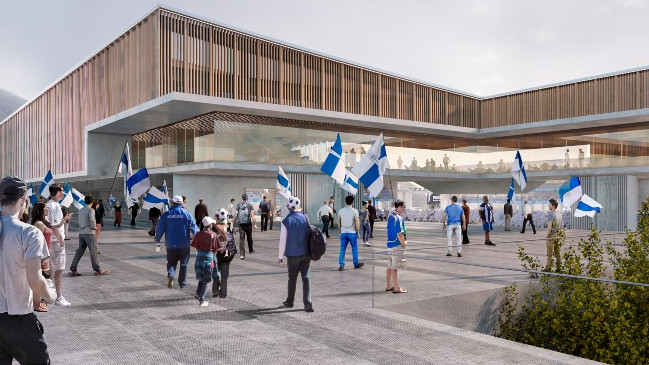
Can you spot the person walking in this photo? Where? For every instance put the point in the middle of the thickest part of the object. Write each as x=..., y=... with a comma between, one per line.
x=176, y=224
x=325, y=214
x=244, y=217
x=465, y=230
x=154, y=217
x=231, y=209
x=223, y=258
x=294, y=244
x=487, y=216
x=332, y=205
x=263, y=212
x=66, y=225
x=272, y=209
x=206, y=243
x=509, y=212
x=134, y=210
x=350, y=226
x=98, y=219
x=57, y=255
x=365, y=224
x=39, y=212
x=527, y=217
x=371, y=217
x=454, y=216
x=22, y=251
x=102, y=211
x=200, y=212
x=118, y=214
x=396, y=247
x=555, y=224
x=87, y=239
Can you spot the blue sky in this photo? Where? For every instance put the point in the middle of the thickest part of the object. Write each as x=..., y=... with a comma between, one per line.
x=482, y=47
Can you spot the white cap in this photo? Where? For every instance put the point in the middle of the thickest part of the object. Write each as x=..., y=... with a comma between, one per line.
x=208, y=221
x=177, y=199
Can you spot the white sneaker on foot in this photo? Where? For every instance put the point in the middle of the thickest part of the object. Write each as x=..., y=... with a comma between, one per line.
x=367, y=244
x=62, y=302
x=204, y=304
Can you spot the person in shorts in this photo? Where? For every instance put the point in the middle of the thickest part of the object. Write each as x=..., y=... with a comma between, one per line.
x=57, y=259
x=487, y=216
x=396, y=247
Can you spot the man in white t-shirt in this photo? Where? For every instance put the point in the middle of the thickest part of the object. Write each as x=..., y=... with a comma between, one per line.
x=350, y=225
x=57, y=220
x=325, y=213
x=22, y=250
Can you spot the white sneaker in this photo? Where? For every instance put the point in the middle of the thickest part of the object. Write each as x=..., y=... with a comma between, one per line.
x=366, y=244
x=50, y=283
x=62, y=302
x=204, y=303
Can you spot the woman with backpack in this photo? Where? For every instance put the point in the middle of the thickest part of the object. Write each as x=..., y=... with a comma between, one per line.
x=223, y=258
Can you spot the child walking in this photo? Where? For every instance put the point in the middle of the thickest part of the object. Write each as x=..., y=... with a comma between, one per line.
x=207, y=245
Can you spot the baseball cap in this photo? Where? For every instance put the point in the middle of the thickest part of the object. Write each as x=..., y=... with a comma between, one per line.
x=12, y=186
x=177, y=199
x=207, y=221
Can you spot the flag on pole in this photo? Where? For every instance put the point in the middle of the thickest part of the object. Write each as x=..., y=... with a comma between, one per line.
x=518, y=171
x=44, y=189
x=283, y=185
x=570, y=192
x=371, y=168
x=166, y=192
x=67, y=198
x=510, y=194
x=138, y=183
x=78, y=199
x=33, y=199
x=333, y=165
x=587, y=207
x=126, y=168
x=351, y=182
x=155, y=198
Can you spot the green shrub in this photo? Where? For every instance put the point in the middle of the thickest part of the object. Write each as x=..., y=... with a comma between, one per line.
x=592, y=319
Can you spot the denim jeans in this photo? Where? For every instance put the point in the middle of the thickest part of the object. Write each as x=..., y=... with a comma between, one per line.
x=345, y=239
x=367, y=231
x=175, y=255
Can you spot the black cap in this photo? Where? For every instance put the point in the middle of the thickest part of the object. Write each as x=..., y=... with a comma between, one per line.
x=12, y=186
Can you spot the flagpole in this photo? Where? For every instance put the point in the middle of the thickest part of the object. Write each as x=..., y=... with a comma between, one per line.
x=116, y=170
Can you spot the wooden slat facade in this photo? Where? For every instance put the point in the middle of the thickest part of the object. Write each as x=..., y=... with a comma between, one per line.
x=170, y=52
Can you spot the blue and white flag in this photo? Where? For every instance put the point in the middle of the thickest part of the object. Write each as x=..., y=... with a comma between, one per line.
x=33, y=199
x=138, y=183
x=67, y=198
x=125, y=162
x=587, y=207
x=283, y=185
x=570, y=192
x=78, y=198
x=334, y=165
x=44, y=189
x=166, y=192
x=155, y=198
x=351, y=182
x=518, y=171
x=510, y=194
x=371, y=168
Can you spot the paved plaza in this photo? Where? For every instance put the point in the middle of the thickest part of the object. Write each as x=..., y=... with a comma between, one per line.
x=131, y=317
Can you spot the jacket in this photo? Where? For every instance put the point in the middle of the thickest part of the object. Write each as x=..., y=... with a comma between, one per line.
x=176, y=223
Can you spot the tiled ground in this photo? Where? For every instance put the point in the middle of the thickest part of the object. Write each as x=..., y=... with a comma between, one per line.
x=130, y=317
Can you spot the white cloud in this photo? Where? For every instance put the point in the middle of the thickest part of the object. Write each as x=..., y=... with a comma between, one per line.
x=487, y=58
x=546, y=34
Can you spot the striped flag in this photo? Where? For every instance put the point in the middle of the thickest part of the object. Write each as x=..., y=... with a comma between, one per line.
x=518, y=171
x=371, y=168
x=333, y=165
x=570, y=192
x=78, y=199
x=587, y=207
x=351, y=182
x=44, y=189
x=283, y=185
x=510, y=194
x=33, y=199
x=155, y=198
x=67, y=198
x=138, y=183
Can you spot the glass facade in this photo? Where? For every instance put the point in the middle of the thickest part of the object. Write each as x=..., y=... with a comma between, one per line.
x=224, y=137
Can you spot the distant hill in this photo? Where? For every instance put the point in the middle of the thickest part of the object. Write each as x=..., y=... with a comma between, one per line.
x=9, y=102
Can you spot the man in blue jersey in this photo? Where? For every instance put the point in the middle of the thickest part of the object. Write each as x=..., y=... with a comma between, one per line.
x=396, y=247
x=176, y=224
x=487, y=217
x=454, y=215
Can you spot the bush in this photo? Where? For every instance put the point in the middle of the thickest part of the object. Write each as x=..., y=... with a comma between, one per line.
x=587, y=318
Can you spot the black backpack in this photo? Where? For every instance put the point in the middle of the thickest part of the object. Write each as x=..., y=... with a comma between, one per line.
x=263, y=206
x=317, y=242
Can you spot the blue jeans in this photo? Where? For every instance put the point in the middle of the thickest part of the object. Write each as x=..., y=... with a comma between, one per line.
x=174, y=255
x=367, y=231
x=352, y=239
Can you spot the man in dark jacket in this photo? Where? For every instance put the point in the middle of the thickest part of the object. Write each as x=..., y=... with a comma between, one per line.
x=134, y=208
x=372, y=213
x=154, y=216
x=200, y=212
x=294, y=244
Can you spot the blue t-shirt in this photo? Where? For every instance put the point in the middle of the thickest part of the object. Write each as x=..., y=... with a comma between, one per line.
x=454, y=213
x=395, y=226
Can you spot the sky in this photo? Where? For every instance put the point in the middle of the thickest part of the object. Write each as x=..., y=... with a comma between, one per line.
x=481, y=47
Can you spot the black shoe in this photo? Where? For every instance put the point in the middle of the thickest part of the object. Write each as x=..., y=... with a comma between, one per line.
x=251, y=251
x=341, y=268
x=465, y=243
x=449, y=254
x=522, y=231
x=308, y=308
x=459, y=254
x=489, y=243
x=534, y=232
x=360, y=264
x=287, y=304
